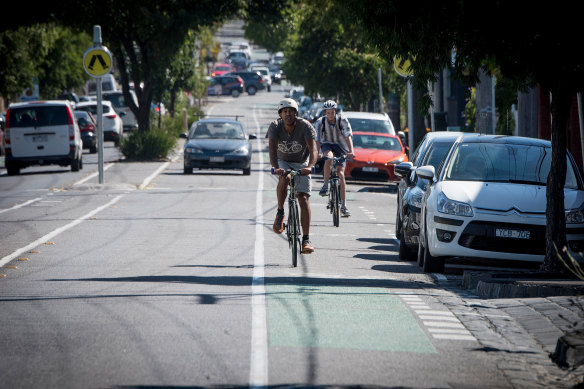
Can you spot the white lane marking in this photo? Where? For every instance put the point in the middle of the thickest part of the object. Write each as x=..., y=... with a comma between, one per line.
x=258, y=372
x=454, y=337
x=21, y=205
x=148, y=179
x=92, y=175
x=58, y=231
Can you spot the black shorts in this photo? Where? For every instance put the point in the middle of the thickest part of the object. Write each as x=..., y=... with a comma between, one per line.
x=336, y=149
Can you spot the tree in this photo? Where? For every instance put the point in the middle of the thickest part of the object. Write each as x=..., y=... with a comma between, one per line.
x=529, y=44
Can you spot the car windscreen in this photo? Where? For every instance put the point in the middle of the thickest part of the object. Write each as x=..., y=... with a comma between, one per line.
x=436, y=153
x=217, y=130
x=371, y=125
x=489, y=162
x=376, y=142
x=39, y=116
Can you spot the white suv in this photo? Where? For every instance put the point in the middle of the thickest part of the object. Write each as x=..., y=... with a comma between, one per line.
x=42, y=133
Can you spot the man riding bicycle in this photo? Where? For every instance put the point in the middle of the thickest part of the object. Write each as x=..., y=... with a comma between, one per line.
x=292, y=146
x=334, y=138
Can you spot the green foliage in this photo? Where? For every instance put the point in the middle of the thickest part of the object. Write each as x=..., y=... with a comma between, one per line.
x=148, y=145
x=470, y=110
x=506, y=96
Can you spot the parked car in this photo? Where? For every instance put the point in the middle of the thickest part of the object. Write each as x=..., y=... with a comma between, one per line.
x=217, y=144
x=88, y=127
x=113, y=127
x=42, y=133
x=241, y=46
x=370, y=122
x=265, y=73
x=252, y=81
x=277, y=73
x=375, y=157
x=410, y=190
x=220, y=69
x=129, y=120
x=489, y=201
x=225, y=85
x=238, y=59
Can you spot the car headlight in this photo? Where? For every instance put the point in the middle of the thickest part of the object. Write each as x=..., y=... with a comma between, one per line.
x=240, y=151
x=193, y=150
x=575, y=216
x=415, y=199
x=451, y=207
x=396, y=161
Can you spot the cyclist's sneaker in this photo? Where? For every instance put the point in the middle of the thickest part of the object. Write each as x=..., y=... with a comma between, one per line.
x=279, y=223
x=307, y=247
x=345, y=212
x=324, y=191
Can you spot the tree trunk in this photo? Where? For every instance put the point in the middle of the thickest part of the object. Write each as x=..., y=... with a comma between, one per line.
x=555, y=213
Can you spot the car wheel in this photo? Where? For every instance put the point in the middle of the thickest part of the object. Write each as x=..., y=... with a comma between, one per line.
x=432, y=264
x=234, y=93
x=251, y=90
x=188, y=170
x=93, y=149
x=247, y=171
x=405, y=253
x=12, y=169
x=420, y=255
x=76, y=165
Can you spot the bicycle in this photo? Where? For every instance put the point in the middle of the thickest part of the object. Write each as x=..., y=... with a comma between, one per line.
x=334, y=197
x=293, y=226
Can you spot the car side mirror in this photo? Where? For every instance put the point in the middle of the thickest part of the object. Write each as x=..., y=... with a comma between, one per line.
x=252, y=136
x=404, y=169
x=183, y=136
x=426, y=172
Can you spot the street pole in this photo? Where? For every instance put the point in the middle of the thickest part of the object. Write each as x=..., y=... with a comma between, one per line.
x=97, y=43
x=380, y=92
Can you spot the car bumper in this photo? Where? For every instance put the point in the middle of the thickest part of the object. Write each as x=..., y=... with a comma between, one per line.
x=371, y=172
x=514, y=237
x=217, y=162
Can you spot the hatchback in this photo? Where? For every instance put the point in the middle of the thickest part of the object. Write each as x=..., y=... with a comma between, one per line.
x=42, y=133
x=113, y=127
x=252, y=81
x=489, y=201
x=225, y=85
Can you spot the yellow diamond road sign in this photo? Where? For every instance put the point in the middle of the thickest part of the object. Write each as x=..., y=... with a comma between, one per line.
x=97, y=61
x=403, y=67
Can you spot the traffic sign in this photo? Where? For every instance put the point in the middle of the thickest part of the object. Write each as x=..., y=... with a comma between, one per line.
x=97, y=61
x=403, y=67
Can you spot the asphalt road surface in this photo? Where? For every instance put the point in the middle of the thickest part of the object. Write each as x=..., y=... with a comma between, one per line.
x=159, y=279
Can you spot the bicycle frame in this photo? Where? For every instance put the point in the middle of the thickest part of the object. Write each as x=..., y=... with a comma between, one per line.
x=334, y=199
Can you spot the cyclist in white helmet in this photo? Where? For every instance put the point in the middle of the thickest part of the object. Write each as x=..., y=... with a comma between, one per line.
x=334, y=138
x=292, y=146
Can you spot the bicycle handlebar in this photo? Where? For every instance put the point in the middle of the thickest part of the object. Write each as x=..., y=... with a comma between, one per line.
x=312, y=170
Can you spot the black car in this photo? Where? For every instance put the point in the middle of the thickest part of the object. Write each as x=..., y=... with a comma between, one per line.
x=252, y=80
x=88, y=128
x=225, y=85
x=411, y=188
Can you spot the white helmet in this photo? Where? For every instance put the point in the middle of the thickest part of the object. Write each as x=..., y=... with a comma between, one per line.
x=287, y=103
x=330, y=104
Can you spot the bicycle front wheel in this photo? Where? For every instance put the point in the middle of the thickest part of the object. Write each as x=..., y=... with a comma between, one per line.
x=336, y=200
x=295, y=235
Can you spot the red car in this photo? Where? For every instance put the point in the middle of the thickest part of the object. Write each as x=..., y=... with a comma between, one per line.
x=376, y=155
x=221, y=68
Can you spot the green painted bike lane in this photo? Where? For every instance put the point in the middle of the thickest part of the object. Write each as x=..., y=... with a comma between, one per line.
x=360, y=318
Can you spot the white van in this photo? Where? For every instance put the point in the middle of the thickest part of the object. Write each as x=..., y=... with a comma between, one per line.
x=42, y=133
x=108, y=84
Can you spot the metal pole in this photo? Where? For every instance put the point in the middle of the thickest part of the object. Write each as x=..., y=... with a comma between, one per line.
x=410, y=116
x=581, y=119
x=97, y=43
x=380, y=92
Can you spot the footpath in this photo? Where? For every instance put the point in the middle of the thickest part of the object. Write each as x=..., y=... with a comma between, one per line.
x=533, y=325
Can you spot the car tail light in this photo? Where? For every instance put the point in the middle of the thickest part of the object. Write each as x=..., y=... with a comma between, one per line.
x=111, y=116
x=87, y=128
x=71, y=125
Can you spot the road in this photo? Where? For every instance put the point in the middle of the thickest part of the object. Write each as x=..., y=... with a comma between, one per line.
x=157, y=279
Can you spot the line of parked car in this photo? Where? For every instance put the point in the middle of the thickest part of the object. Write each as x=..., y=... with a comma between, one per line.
x=55, y=132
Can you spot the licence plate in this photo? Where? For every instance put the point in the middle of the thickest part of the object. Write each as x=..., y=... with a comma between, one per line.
x=40, y=138
x=370, y=169
x=217, y=159
x=508, y=233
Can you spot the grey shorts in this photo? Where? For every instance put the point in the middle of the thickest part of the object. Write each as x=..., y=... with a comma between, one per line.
x=303, y=183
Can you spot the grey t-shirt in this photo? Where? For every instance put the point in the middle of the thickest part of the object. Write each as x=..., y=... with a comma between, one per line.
x=292, y=147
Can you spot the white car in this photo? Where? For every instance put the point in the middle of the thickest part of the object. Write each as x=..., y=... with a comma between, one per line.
x=264, y=71
x=488, y=200
x=123, y=109
x=370, y=122
x=113, y=126
x=42, y=133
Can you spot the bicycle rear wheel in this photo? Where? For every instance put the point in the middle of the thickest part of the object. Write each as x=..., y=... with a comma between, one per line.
x=295, y=236
x=336, y=199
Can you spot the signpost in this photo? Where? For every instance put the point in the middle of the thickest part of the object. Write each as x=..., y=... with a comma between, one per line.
x=97, y=62
x=403, y=67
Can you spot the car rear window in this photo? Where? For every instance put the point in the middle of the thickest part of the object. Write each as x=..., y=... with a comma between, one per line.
x=93, y=109
x=39, y=116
